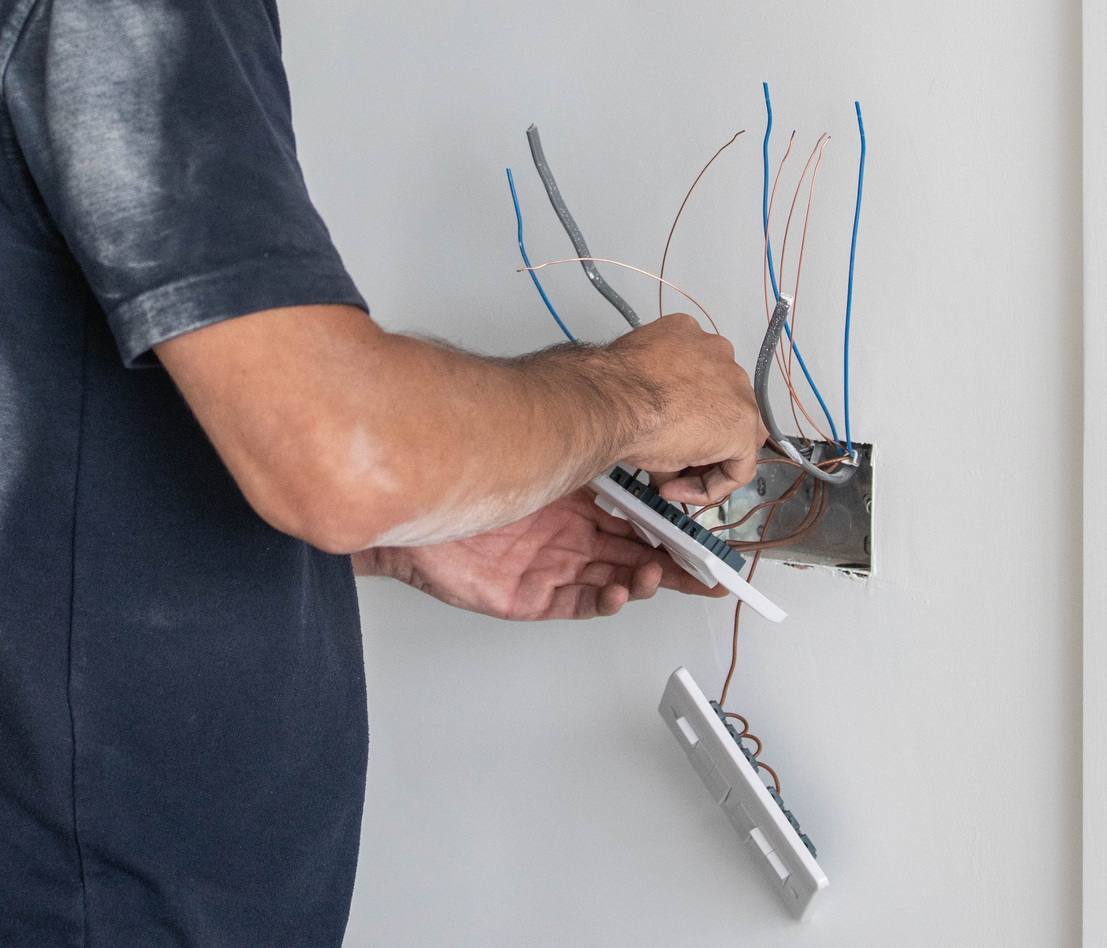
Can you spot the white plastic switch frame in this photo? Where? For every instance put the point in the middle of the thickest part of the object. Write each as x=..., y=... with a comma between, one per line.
x=735, y=786
x=693, y=556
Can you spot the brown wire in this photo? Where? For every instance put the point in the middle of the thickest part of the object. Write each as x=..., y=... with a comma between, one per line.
x=745, y=723
x=668, y=240
x=788, y=494
x=783, y=498
x=821, y=143
x=738, y=613
x=734, y=654
x=754, y=737
x=806, y=527
x=718, y=503
x=803, y=244
x=776, y=779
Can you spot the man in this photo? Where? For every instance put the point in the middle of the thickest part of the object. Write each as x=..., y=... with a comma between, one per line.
x=199, y=423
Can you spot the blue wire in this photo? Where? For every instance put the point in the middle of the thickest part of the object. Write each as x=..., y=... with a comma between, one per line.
x=769, y=253
x=526, y=260
x=852, y=255
x=765, y=190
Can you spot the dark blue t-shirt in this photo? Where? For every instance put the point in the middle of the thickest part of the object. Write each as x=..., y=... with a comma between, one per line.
x=182, y=702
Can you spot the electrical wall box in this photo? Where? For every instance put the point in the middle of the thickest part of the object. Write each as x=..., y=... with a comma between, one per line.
x=843, y=538
x=760, y=819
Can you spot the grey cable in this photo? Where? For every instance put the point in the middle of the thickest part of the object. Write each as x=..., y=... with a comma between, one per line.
x=761, y=391
x=573, y=231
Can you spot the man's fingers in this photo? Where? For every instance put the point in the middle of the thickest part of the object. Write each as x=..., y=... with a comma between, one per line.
x=646, y=580
x=586, y=602
x=610, y=599
x=711, y=485
x=620, y=560
x=641, y=579
x=657, y=478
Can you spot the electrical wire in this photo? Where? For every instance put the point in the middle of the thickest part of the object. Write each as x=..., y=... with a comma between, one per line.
x=815, y=512
x=806, y=527
x=755, y=738
x=788, y=494
x=668, y=240
x=526, y=260
x=803, y=245
x=738, y=613
x=765, y=187
x=782, y=499
x=718, y=503
x=852, y=255
x=819, y=146
x=616, y=263
x=769, y=257
x=767, y=271
x=795, y=199
x=735, y=714
x=792, y=394
x=571, y=228
x=734, y=638
x=772, y=773
x=761, y=392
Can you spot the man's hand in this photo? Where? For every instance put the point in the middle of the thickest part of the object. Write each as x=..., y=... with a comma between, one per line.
x=708, y=427
x=569, y=560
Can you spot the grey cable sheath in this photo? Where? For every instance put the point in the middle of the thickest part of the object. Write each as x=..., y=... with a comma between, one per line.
x=761, y=391
x=573, y=231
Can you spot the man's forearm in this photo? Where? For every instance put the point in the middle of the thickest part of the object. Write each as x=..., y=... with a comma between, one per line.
x=350, y=437
x=475, y=443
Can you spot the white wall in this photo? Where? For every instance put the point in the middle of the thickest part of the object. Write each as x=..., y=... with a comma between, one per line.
x=926, y=723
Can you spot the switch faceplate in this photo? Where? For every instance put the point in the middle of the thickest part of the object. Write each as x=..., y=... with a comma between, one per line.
x=734, y=785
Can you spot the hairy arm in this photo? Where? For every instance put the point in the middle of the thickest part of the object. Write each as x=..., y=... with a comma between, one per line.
x=351, y=437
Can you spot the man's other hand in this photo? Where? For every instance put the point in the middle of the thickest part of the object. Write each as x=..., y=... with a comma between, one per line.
x=569, y=560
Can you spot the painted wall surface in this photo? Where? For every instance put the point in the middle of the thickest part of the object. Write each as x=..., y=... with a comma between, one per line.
x=925, y=723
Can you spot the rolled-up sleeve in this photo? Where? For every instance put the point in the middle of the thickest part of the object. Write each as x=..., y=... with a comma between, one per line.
x=159, y=136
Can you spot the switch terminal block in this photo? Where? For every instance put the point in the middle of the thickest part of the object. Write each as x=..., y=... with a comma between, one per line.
x=661, y=523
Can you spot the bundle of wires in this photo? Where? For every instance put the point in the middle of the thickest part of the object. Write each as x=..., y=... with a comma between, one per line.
x=788, y=324
x=800, y=453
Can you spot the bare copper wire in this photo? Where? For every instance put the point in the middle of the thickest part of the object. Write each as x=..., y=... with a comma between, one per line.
x=765, y=279
x=803, y=244
x=668, y=240
x=792, y=208
x=765, y=257
x=821, y=143
x=616, y=263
